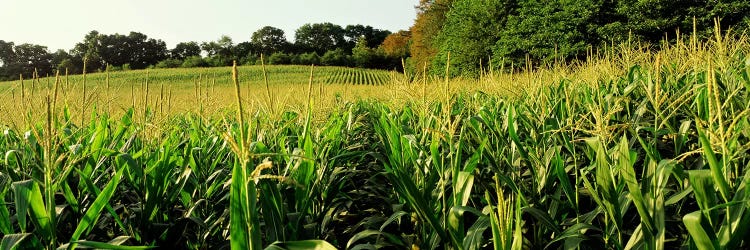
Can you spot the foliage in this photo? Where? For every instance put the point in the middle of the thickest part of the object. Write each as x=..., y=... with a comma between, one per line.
x=311, y=58
x=515, y=33
x=193, y=62
x=469, y=35
x=319, y=37
x=220, y=52
x=372, y=36
x=135, y=49
x=270, y=40
x=279, y=58
x=169, y=63
x=184, y=50
x=24, y=59
x=427, y=25
x=636, y=150
x=396, y=45
x=546, y=31
x=336, y=57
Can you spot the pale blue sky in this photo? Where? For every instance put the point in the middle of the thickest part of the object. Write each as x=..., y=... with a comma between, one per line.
x=59, y=24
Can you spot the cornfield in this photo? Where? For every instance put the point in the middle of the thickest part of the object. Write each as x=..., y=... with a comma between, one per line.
x=647, y=152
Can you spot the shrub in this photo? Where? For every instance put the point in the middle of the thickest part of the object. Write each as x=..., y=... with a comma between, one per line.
x=279, y=58
x=169, y=63
x=308, y=58
x=193, y=62
x=336, y=57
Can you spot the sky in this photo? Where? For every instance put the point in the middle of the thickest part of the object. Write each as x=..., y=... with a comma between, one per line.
x=60, y=24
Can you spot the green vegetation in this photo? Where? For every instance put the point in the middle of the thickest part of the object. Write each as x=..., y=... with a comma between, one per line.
x=634, y=149
x=480, y=34
x=312, y=45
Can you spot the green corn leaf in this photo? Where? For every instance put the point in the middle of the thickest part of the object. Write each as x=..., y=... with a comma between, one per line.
x=574, y=233
x=462, y=189
x=705, y=193
x=13, y=241
x=474, y=235
x=5, y=224
x=395, y=216
x=94, y=211
x=700, y=231
x=273, y=211
x=369, y=233
x=626, y=162
x=717, y=171
x=542, y=217
x=301, y=245
x=102, y=245
x=567, y=187
x=244, y=226
x=29, y=200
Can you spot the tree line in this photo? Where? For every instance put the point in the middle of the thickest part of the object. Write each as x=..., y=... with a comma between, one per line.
x=316, y=43
x=479, y=33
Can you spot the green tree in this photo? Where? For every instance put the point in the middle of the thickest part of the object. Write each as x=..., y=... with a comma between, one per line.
x=30, y=58
x=89, y=50
x=194, y=62
x=279, y=58
x=374, y=37
x=7, y=55
x=269, y=40
x=219, y=52
x=471, y=29
x=546, y=30
x=656, y=18
x=136, y=50
x=306, y=59
x=362, y=55
x=337, y=57
x=184, y=50
x=319, y=37
x=245, y=51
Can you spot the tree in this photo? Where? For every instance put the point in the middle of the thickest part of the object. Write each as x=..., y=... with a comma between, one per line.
x=319, y=37
x=659, y=17
x=220, y=51
x=279, y=58
x=145, y=51
x=362, y=55
x=306, y=59
x=89, y=50
x=193, y=62
x=337, y=57
x=546, y=30
x=58, y=57
x=135, y=49
x=184, y=50
x=6, y=52
x=7, y=55
x=469, y=34
x=30, y=58
x=269, y=40
x=429, y=22
x=396, y=45
x=373, y=37
x=245, y=51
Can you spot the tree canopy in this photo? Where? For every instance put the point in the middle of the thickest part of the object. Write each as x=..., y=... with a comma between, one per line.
x=510, y=31
x=270, y=40
x=319, y=37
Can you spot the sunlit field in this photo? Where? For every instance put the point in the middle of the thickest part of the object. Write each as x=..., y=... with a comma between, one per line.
x=632, y=149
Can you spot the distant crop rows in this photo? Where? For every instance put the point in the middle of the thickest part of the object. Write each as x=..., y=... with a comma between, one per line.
x=357, y=76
